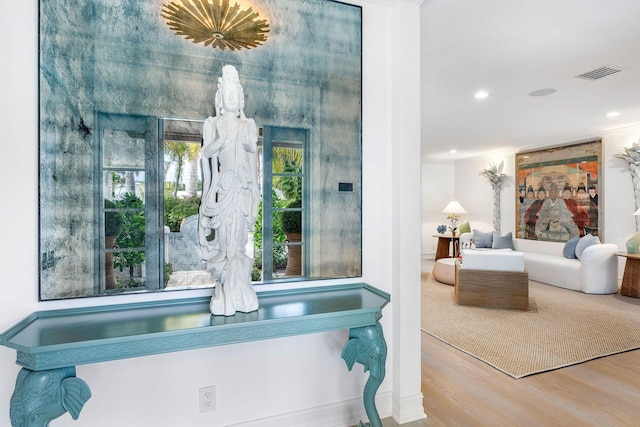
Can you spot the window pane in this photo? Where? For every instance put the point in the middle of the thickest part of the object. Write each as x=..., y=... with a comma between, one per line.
x=294, y=257
x=128, y=251
x=287, y=172
x=182, y=194
x=118, y=183
x=183, y=264
x=182, y=176
x=123, y=149
x=129, y=268
x=279, y=252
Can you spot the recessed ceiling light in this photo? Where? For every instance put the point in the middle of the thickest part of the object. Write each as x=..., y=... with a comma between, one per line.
x=482, y=94
x=613, y=114
x=542, y=92
x=453, y=151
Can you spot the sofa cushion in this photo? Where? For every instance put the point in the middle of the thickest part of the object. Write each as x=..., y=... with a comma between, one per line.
x=553, y=270
x=569, y=250
x=502, y=242
x=482, y=240
x=465, y=227
x=499, y=260
x=584, y=243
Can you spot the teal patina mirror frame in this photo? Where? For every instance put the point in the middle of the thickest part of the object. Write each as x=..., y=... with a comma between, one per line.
x=101, y=59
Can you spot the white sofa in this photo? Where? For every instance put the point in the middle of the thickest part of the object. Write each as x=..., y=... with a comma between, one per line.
x=595, y=273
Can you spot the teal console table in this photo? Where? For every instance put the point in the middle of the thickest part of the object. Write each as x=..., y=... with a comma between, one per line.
x=50, y=344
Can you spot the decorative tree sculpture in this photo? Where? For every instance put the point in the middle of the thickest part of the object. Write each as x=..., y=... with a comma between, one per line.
x=632, y=156
x=496, y=179
x=230, y=197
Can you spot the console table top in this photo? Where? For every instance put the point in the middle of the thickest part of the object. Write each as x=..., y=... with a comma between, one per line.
x=69, y=337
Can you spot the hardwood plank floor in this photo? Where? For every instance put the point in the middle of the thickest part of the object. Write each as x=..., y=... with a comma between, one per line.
x=460, y=390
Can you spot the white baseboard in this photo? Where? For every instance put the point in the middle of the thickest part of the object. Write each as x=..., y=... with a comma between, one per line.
x=341, y=414
x=408, y=409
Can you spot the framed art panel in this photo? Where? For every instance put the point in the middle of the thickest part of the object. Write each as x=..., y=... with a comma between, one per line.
x=560, y=192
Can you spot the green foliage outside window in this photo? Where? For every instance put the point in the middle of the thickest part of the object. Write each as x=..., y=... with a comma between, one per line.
x=180, y=153
x=113, y=221
x=279, y=252
x=291, y=186
x=176, y=209
x=132, y=235
x=292, y=220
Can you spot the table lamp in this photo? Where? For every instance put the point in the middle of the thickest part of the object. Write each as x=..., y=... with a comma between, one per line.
x=454, y=209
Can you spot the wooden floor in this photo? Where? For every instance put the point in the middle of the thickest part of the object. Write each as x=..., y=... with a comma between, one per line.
x=460, y=390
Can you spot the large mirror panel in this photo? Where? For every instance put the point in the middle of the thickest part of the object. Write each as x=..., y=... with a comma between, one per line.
x=122, y=102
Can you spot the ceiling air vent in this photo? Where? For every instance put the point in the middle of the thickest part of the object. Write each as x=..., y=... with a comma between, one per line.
x=599, y=73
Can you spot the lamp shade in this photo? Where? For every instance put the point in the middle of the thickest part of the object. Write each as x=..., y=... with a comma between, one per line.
x=454, y=208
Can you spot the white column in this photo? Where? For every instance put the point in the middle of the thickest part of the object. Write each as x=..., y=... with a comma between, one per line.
x=406, y=210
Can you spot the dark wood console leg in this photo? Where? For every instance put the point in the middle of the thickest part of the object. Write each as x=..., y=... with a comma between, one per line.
x=367, y=346
x=41, y=396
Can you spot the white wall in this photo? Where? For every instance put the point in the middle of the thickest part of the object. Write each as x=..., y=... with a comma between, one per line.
x=619, y=202
x=438, y=189
x=475, y=193
x=270, y=381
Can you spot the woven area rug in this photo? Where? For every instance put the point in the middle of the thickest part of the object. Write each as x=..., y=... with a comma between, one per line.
x=561, y=327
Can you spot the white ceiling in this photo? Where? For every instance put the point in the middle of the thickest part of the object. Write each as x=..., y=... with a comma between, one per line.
x=513, y=47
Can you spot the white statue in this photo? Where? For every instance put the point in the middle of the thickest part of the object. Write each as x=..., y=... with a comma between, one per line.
x=230, y=197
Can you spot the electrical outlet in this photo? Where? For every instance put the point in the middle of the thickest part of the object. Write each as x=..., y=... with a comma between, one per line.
x=208, y=399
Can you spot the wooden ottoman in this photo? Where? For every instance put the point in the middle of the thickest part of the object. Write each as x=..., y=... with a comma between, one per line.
x=492, y=288
x=444, y=270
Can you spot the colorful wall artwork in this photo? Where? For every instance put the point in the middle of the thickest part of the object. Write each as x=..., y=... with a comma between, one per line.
x=560, y=192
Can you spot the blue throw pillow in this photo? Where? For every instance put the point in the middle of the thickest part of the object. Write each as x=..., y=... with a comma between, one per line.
x=584, y=243
x=482, y=240
x=502, y=242
x=569, y=249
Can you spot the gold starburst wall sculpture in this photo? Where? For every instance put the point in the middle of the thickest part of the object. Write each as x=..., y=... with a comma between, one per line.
x=215, y=23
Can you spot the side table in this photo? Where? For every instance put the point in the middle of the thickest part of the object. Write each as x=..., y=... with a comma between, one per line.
x=444, y=241
x=631, y=277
